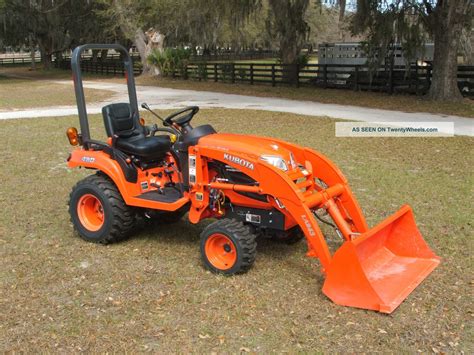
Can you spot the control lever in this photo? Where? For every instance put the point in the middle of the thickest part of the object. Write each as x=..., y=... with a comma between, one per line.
x=146, y=107
x=158, y=187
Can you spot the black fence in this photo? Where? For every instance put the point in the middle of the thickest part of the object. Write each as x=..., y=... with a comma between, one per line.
x=415, y=79
x=110, y=66
x=392, y=79
x=17, y=61
x=232, y=56
x=64, y=60
x=395, y=79
x=214, y=57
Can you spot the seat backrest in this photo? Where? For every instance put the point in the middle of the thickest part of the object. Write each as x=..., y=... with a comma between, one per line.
x=119, y=120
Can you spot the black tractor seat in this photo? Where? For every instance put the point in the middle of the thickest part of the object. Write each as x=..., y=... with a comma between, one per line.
x=145, y=147
x=120, y=122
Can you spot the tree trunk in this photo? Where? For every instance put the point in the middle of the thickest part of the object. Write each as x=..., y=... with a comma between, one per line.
x=140, y=44
x=136, y=35
x=46, y=51
x=289, y=57
x=33, y=58
x=46, y=58
x=47, y=61
x=449, y=19
x=103, y=55
x=342, y=12
x=291, y=28
x=95, y=53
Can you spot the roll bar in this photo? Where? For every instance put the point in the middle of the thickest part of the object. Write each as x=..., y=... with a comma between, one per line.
x=79, y=90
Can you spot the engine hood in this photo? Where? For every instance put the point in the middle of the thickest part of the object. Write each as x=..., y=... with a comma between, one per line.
x=251, y=146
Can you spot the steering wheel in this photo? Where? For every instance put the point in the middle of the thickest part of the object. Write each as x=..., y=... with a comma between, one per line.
x=181, y=121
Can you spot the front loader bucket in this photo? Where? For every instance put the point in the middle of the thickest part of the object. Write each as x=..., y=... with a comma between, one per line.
x=381, y=267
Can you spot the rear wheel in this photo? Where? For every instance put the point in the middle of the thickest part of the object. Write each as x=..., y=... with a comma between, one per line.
x=228, y=247
x=98, y=211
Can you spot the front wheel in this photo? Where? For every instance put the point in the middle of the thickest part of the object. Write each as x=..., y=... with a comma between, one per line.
x=98, y=211
x=228, y=247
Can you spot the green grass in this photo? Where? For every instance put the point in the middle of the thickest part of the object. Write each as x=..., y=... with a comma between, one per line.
x=14, y=95
x=311, y=60
x=61, y=294
x=405, y=103
x=20, y=89
x=269, y=61
x=25, y=72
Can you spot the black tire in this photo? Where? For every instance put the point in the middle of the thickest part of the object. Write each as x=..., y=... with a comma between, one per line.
x=241, y=239
x=118, y=218
x=291, y=236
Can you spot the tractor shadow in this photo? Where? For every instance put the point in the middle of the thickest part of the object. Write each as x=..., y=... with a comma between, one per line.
x=179, y=233
x=184, y=233
x=271, y=254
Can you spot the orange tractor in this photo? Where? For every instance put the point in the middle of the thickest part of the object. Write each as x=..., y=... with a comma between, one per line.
x=253, y=186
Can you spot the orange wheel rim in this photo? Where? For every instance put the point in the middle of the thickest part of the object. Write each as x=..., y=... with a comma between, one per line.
x=90, y=212
x=220, y=251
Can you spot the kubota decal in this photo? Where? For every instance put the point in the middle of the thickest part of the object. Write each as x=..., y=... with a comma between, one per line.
x=308, y=225
x=239, y=161
x=88, y=159
x=192, y=169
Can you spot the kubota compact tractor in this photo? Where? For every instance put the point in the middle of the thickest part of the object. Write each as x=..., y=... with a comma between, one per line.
x=251, y=185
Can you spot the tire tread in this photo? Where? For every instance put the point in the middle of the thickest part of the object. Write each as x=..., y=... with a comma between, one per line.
x=123, y=220
x=244, y=235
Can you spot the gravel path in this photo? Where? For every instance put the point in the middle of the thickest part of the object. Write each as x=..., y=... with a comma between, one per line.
x=165, y=98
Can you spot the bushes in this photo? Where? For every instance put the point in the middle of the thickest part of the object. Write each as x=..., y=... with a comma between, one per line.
x=226, y=71
x=302, y=60
x=170, y=60
x=200, y=72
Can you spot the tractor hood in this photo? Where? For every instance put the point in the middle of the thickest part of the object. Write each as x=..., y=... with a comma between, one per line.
x=252, y=146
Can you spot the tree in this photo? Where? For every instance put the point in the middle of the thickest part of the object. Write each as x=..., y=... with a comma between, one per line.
x=52, y=25
x=286, y=19
x=412, y=23
x=184, y=22
x=127, y=17
x=3, y=23
x=446, y=21
x=212, y=23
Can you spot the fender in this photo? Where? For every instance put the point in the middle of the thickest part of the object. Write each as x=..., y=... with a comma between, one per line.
x=99, y=160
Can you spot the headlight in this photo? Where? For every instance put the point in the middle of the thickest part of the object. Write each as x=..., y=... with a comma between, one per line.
x=276, y=161
x=293, y=162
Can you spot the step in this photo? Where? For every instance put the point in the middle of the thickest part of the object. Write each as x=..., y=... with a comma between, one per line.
x=169, y=195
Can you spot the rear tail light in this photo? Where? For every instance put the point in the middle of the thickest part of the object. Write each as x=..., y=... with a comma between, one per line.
x=72, y=135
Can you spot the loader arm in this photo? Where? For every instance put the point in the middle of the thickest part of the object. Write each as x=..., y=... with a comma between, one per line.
x=322, y=168
x=277, y=184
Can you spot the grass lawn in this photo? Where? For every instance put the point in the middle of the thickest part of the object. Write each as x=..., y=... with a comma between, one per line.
x=269, y=61
x=406, y=103
x=59, y=293
x=313, y=59
x=33, y=91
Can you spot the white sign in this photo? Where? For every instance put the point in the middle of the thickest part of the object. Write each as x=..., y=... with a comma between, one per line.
x=394, y=129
